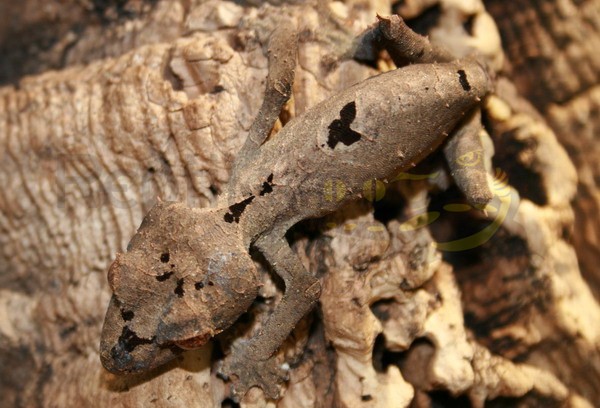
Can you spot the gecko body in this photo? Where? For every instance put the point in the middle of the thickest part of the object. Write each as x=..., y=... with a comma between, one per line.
x=187, y=274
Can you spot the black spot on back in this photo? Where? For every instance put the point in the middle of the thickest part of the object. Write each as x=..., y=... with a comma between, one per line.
x=462, y=78
x=164, y=276
x=179, y=288
x=198, y=285
x=236, y=210
x=339, y=129
x=164, y=258
x=267, y=186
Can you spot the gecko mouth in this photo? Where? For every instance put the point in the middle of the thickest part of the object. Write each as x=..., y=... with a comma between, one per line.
x=145, y=357
x=194, y=342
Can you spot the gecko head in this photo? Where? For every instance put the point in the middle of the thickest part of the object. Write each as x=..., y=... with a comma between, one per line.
x=186, y=276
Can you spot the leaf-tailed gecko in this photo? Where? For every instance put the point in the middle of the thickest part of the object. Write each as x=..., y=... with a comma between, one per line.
x=187, y=274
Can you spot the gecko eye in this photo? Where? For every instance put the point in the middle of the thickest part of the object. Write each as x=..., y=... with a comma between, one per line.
x=194, y=342
x=114, y=273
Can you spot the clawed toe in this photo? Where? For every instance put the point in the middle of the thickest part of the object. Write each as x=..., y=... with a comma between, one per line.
x=245, y=372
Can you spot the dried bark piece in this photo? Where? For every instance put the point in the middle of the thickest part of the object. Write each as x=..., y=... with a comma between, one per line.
x=350, y=287
x=44, y=35
x=498, y=377
x=533, y=289
x=551, y=46
x=577, y=125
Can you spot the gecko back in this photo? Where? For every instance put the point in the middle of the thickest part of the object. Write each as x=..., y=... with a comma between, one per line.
x=372, y=130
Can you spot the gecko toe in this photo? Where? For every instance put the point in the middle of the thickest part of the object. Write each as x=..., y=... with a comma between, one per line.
x=245, y=372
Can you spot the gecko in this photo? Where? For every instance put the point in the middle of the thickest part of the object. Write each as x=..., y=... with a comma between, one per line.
x=187, y=274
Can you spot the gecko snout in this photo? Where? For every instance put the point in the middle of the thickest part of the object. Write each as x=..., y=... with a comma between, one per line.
x=127, y=345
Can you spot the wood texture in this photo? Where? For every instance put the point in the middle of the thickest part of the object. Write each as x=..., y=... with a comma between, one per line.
x=153, y=99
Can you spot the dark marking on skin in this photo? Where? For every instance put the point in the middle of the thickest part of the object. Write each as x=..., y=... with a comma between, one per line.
x=164, y=258
x=129, y=340
x=462, y=78
x=127, y=315
x=267, y=186
x=198, y=285
x=236, y=210
x=179, y=288
x=339, y=129
x=210, y=283
x=164, y=276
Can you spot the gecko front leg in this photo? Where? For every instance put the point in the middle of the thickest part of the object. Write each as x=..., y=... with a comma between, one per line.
x=282, y=50
x=251, y=363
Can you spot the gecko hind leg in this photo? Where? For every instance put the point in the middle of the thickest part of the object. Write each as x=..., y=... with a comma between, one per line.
x=465, y=156
x=251, y=363
x=463, y=150
x=401, y=42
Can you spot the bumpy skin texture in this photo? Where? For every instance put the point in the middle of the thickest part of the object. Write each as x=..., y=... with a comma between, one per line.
x=187, y=274
x=193, y=296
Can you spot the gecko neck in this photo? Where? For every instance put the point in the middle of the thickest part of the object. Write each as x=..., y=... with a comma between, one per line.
x=254, y=217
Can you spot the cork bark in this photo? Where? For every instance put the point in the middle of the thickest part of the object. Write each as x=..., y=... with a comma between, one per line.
x=108, y=106
x=559, y=73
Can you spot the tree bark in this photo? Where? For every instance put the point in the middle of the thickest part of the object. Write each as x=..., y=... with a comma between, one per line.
x=108, y=106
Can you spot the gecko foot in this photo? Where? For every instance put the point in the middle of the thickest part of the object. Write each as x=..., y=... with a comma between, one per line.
x=246, y=372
